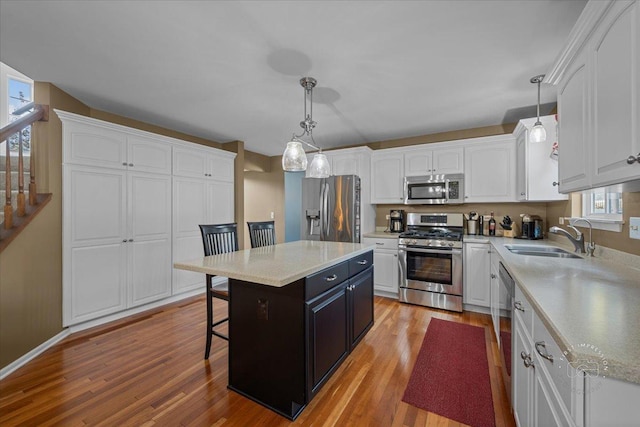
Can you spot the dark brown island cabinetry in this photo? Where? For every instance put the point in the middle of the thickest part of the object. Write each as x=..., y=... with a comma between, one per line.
x=286, y=342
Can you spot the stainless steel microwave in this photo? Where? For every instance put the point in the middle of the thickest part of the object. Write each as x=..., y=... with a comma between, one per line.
x=434, y=189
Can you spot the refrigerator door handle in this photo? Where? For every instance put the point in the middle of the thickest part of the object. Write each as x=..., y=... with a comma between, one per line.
x=325, y=201
x=322, y=198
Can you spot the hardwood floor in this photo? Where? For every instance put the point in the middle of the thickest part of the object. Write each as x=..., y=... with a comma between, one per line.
x=149, y=370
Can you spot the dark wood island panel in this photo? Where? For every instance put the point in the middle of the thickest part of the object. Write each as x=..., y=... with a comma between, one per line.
x=286, y=342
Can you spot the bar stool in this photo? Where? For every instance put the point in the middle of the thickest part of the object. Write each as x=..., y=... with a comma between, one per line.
x=262, y=233
x=217, y=239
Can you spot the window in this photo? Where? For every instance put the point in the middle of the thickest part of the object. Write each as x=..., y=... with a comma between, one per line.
x=603, y=208
x=17, y=91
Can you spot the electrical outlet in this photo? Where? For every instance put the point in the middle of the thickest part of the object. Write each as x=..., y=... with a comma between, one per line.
x=273, y=215
x=387, y=216
x=561, y=220
x=634, y=227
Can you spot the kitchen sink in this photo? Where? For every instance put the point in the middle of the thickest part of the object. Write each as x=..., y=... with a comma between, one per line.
x=546, y=251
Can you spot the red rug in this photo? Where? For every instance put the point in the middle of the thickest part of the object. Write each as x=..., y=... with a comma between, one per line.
x=451, y=375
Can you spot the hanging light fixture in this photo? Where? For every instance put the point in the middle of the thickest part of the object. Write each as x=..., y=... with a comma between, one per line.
x=294, y=158
x=538, y=132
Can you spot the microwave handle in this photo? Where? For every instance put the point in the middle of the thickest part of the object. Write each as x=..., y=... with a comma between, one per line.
x=446, y=191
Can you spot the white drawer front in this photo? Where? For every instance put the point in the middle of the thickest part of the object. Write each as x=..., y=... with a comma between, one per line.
x=381, y=243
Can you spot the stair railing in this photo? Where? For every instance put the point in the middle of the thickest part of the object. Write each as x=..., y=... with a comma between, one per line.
x=17, y=127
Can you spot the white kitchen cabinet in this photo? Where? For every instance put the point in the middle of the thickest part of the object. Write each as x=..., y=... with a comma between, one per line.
x=536, y=171
x=199, y=197
x=117, y=241
x=118, y=215
x=91, y=142
x=386, y=272
x=498, y=301
x=599, y=97
x=477, y=285
x=387, y=175
x=189, y=161
x=490, y=171
x=546, y=390
x=428, y=161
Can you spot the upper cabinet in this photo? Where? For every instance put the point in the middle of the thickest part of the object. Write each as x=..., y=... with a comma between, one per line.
x=387, y=174
x=490, y=170
x=427, y=161
x=191, y=162
x=598, y=79
x=537, y=168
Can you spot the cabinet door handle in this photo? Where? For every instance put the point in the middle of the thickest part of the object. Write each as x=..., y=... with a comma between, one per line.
x=631, y=159
x=544, y=353
x=130, y=164
x=331, y=278
x=363, y=262
x=528, y=363
x=555, y=183
x=522, y=194
x=518, y=306
x=131, y=240
x=124, y=241
x=493, y=276
x=124, y=163
x=379, y=244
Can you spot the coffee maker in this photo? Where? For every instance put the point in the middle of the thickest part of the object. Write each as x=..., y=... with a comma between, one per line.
x=396, y=221
x=532, y=227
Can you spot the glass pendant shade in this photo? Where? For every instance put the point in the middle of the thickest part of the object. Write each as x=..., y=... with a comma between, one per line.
x=538, y=133
x=294, y=158
x=319, y=167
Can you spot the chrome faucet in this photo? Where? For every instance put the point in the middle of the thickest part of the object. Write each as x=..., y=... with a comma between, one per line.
x=578, y=241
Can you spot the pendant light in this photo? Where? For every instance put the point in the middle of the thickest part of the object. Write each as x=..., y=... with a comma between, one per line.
x=294, y=158
x=538, y=132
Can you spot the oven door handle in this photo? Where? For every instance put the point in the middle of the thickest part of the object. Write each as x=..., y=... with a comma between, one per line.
x=431, y=251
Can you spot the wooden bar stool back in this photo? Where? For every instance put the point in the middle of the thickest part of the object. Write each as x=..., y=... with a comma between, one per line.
x=262, y=233
x=217, y=239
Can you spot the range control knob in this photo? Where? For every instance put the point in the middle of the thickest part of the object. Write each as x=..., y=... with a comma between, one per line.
x=451, y=244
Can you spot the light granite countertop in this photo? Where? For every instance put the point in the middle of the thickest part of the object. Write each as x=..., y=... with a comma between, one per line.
x=586, y=301
x=276, y=265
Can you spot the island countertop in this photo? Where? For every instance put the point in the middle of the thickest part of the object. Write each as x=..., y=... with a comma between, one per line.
x=276, y=265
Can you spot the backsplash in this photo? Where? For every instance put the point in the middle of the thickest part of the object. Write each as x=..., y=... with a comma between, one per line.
x=499, y=211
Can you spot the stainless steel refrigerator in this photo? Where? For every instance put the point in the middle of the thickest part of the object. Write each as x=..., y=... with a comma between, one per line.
x=331, y=209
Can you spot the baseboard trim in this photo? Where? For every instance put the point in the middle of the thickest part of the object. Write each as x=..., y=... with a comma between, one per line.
x=121, y=314
x=23, y=360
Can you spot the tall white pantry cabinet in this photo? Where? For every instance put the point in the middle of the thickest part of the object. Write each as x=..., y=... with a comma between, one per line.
x=127, y=216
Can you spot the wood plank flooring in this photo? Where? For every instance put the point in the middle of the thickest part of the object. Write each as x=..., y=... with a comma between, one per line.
x=149, y=370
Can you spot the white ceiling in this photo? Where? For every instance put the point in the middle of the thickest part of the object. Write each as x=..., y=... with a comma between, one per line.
x=229, y=70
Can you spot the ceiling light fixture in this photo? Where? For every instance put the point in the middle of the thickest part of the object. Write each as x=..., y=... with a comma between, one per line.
x=538, y=132
x=294, y=158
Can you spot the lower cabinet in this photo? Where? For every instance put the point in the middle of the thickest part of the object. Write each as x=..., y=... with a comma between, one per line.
x=387, y=273
x=546, y=390
x=336, y=321
x=476, y=274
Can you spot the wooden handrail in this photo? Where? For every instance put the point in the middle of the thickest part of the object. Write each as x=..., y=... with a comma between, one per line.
x=40, y=112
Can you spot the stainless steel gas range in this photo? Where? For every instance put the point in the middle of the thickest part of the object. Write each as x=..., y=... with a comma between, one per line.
x=430, y=257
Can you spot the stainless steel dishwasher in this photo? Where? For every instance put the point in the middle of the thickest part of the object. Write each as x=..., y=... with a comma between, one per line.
x=507, y=291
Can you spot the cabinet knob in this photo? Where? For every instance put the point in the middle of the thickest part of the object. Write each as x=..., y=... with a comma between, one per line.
x=555, y=183
x=124, y=163
x=131, y=240
x=130, y=164
x=522, y=194
x=493, y=276
x=124, y=241
x=631, y=159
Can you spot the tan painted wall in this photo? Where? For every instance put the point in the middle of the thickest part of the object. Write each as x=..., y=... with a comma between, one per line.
x=263, y=194
x=619, y=241
x=31, y=266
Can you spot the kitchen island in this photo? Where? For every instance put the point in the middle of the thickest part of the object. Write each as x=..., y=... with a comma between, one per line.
x=296, y=311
